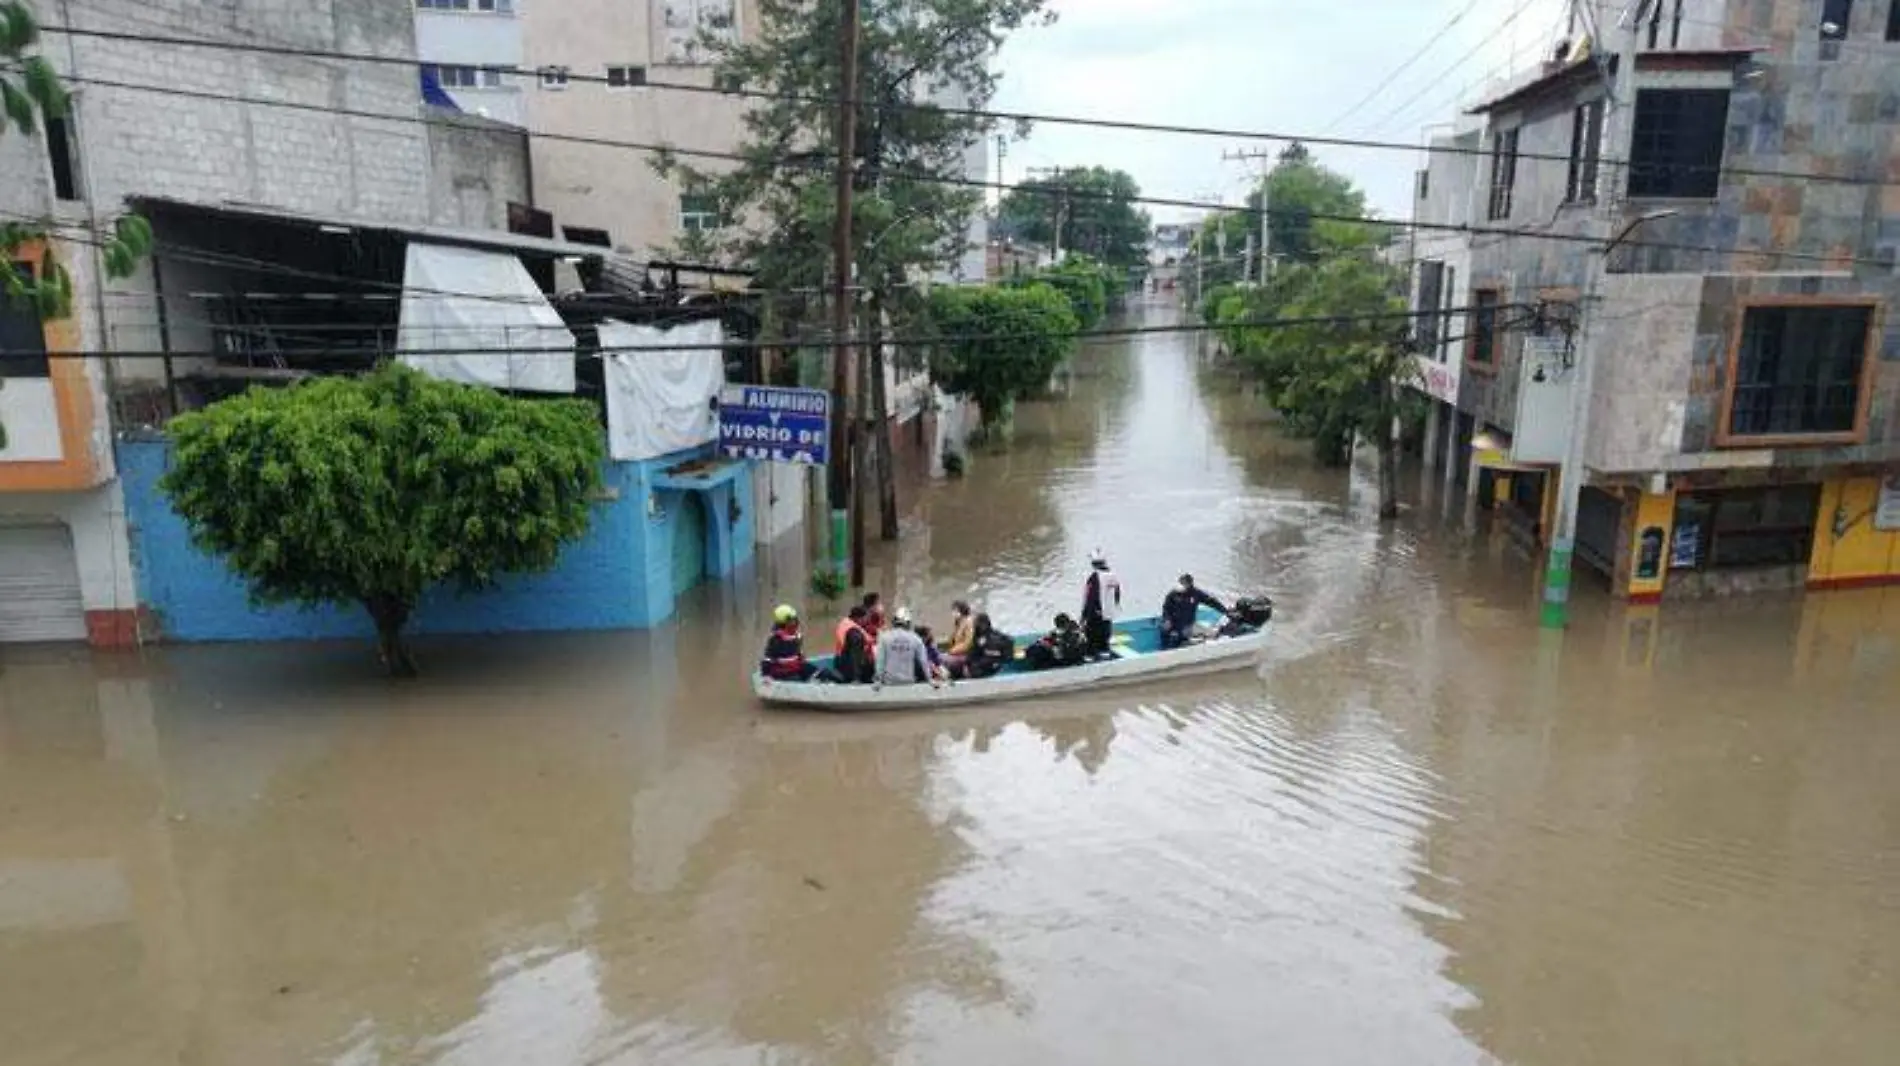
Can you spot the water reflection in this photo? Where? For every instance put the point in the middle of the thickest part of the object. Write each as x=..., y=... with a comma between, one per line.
x=1424, y=832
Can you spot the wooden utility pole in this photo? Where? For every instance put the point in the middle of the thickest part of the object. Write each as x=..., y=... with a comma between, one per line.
x=1265, y=159
x=1061, y=205
x=846, y=487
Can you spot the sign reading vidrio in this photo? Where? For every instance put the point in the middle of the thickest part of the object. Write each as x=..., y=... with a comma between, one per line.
x=775, y=425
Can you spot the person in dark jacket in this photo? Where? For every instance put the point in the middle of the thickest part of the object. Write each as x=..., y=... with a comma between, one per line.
x=784, y=657
x=1180, y=608
x=855, y=661
x=1064, y=646
x=991, y=652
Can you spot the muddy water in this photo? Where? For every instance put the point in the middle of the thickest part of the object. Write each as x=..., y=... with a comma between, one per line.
x=1422, y=833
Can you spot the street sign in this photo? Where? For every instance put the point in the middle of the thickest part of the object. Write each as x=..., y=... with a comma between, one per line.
x=775, y=425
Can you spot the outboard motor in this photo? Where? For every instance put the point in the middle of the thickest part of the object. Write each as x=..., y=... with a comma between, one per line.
x=1247, y=615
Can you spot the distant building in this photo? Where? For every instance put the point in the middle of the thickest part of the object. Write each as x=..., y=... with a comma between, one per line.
x=470, y=48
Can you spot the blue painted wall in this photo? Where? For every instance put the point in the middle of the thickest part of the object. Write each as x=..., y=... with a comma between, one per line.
x=617, y=576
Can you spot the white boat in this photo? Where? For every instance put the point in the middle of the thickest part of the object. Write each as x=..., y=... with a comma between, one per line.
x=1137, y=658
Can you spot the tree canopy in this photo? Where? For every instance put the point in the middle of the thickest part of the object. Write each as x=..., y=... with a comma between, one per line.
x=778, y=200
x=1098, y=213
x=371, y=490
x=1001, y=343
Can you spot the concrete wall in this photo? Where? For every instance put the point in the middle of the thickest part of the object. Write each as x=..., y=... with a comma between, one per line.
x=1646, y=333
x=97, y=520
x=616, y=576
x=476, y=168
x=610, y=188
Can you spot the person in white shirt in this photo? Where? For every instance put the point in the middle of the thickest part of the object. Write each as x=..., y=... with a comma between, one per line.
x=1101, y=603
x=901, y=658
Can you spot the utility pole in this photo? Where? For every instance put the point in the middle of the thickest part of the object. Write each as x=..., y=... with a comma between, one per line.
x=1616, y=126
x=1054, y=174
x=1265, y=159
x=846, y=487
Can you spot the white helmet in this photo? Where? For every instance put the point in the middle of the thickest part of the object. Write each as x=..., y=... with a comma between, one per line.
x=1098, y=557
x=901, y=618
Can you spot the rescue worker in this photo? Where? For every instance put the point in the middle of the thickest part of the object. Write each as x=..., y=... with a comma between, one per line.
x=1179, y=610
x=855, y=660
x=784, y=657
x=901, y=657
x=873, y=615
x=1101, y=603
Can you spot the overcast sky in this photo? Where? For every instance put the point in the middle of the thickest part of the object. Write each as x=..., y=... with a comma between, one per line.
x=1283, y=66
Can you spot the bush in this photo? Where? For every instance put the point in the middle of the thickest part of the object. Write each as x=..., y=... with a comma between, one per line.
x=371, y=490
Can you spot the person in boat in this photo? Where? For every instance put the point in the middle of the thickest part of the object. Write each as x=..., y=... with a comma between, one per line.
x=1101, y=603
x=855, y=660
x=991, y=650
x=962, y=637
x=939, y=667
x=874, y=620
x=901, y=658
x=1065, y=645
x=784, y=657
x=1180, y=608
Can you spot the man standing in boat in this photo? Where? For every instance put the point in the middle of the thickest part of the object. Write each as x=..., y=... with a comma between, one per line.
x=1101, y=603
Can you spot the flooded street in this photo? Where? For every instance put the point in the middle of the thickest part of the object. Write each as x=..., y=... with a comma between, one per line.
x=1423, y=833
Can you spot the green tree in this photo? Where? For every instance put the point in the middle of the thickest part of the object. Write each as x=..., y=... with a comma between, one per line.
x=1097, y=209
x=371, y=490
x=1339, y=369
x=1001, y=344
x=1081, y=281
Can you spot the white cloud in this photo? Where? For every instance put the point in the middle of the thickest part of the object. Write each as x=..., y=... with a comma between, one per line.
x=1261, y=65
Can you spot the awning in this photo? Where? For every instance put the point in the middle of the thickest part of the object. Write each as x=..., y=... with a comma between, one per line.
x=487, y=239
x=477, y=317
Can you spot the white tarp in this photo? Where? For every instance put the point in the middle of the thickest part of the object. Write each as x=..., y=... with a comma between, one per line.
x=481, y=320
x=660, y=400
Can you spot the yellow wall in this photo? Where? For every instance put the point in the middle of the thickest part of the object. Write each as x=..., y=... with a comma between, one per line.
x=1861, y=554
x=1660, y=512
x=77, y=467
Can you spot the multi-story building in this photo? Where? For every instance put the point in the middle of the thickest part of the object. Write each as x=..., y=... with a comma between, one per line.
x=470, y=48
x=1723, y=249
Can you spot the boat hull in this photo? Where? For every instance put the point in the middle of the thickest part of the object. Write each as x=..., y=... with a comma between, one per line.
x=1132, y=666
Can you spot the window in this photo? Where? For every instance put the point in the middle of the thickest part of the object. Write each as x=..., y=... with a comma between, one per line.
x=1893, y=22
x=1676, y=147
x=1586, y=142
x=1424, y=184
x=554, y=78
x=729, y=83
x=1797, y=372
x=1656, y=26
x=1482, y=345
x=498, y=7
x=63, y=149
x=1431, y=294
x=21, y=335
x=453, y=76
x=626, y=77
x=1771, y=526
x=698, y=212
x=1451, y=286
x=1503, y=173
x=1835, y=15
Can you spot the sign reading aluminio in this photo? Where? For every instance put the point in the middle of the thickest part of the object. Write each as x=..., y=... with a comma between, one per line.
x=775, y=425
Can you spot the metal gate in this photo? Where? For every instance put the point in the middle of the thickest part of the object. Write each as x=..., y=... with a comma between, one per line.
x=39, y=585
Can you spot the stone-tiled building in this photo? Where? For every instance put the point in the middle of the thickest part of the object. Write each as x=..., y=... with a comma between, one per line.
x=1744, y=426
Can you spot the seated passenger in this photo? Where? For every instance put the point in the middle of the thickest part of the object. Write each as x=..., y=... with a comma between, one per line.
x=1066, y=645
x=991, y=650
x=784, y=658
x=854, y=663
x=901, y=658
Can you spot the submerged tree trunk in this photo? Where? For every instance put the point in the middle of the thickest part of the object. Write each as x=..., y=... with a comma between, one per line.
x=390, y=615
x=1388, y=459
x=881, y=421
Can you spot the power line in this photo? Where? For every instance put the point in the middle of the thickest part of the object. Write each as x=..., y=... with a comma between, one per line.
x=894, y=340
x=969, y=112
x=1458, y=63
x=1403, y=67
x=818, y=160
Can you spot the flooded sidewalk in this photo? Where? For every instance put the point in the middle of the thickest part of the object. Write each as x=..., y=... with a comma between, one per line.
x=1424, y=832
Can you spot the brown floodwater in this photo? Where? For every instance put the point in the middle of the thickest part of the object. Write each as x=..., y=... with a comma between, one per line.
x=1423, y=832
